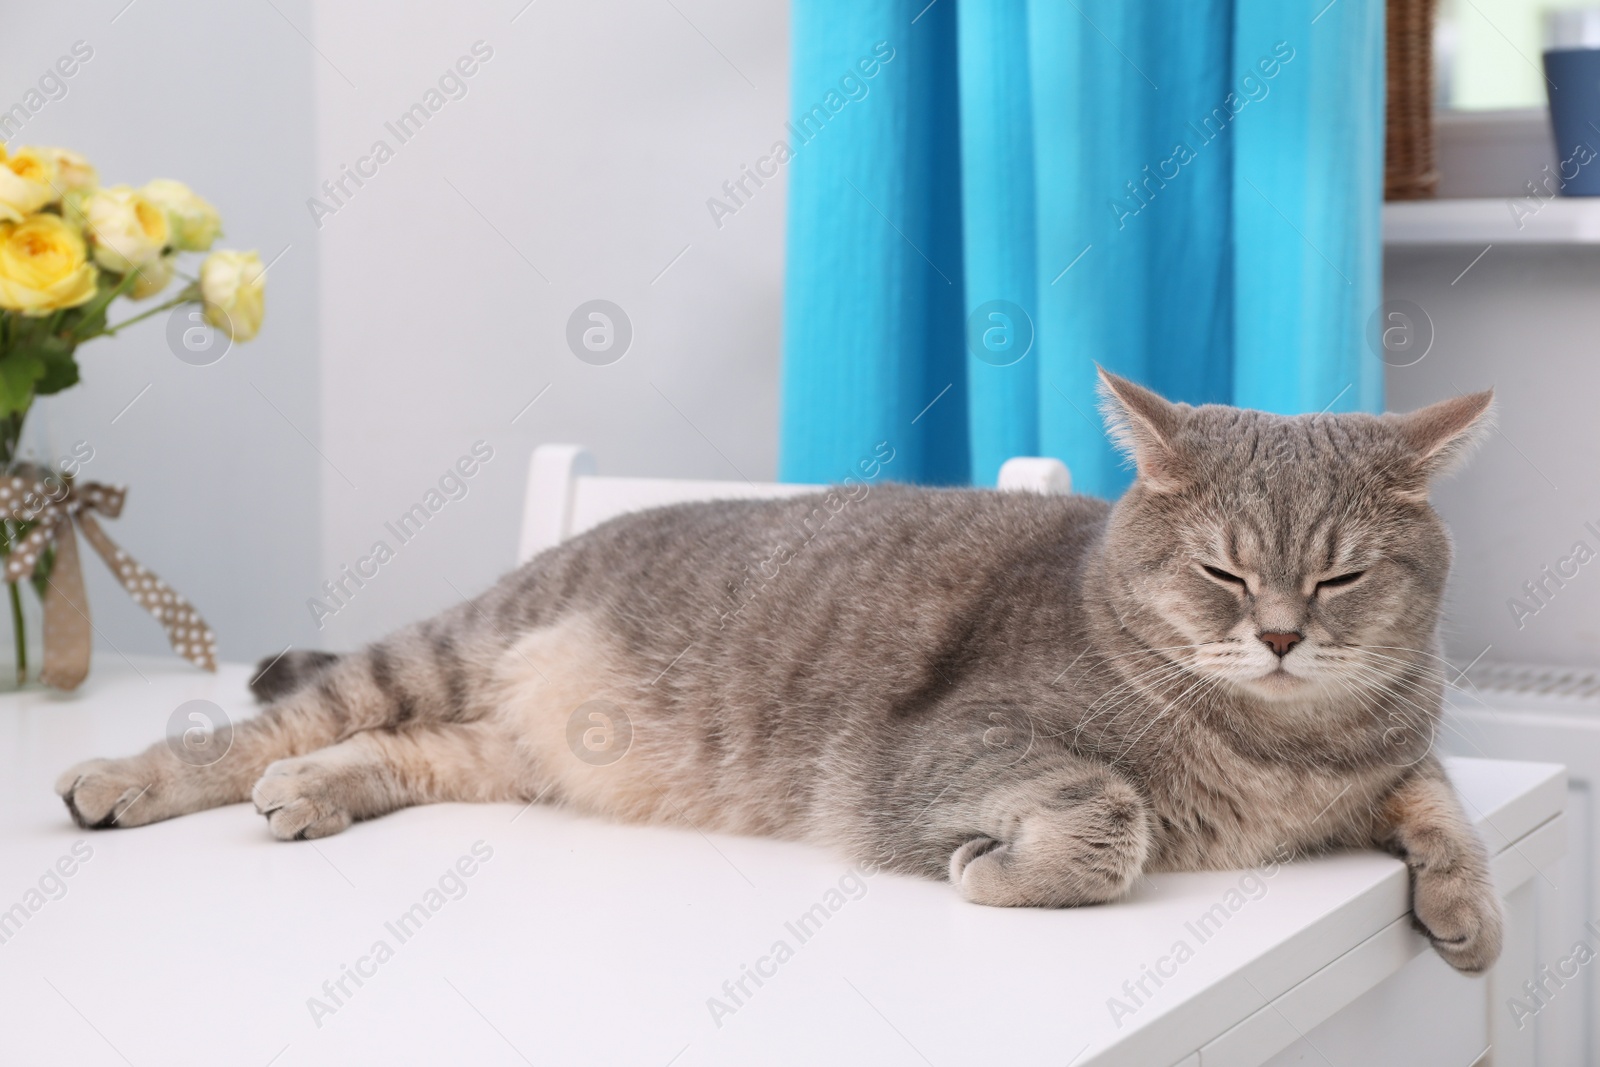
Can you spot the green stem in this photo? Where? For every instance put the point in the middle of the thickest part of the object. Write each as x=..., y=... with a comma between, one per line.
x=10, y=534
x=17, y=632
x=184, y=297
x=103, y=301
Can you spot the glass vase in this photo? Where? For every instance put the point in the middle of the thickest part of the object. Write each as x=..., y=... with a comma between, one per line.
x=21, y=655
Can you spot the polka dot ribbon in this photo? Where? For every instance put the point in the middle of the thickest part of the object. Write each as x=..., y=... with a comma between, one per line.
x=55, y=505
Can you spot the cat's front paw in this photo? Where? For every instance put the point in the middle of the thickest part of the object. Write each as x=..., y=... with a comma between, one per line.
x=1459, y=910
x=1087, y=846
x=104, y=793
x=301, y=798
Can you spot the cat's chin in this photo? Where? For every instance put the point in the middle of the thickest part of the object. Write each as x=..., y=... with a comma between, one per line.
x=1279, y=685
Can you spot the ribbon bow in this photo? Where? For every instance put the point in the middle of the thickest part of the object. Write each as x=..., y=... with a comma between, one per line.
x=56, y=505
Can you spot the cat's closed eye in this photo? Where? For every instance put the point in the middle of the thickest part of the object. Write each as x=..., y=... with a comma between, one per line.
x=1225, y=577
x=1340, y=581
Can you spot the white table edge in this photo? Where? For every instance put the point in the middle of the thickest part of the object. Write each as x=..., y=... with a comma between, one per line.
x=1171, y=1039
x=1319, y=997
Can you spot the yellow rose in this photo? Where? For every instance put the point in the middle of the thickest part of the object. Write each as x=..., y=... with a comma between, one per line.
x=233, y=287
x=195, y=223
x=126, y=229
x=27, y=183
x=43, y=266
x=74, y=174
x=151, y=278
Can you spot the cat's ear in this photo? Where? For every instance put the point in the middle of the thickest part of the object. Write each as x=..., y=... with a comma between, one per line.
x=1145, y=427
x=1441, y=436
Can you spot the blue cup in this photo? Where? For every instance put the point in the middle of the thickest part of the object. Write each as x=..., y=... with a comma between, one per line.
x=1572, y=78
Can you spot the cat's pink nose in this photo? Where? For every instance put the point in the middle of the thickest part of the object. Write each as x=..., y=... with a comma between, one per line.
x=1281, y=643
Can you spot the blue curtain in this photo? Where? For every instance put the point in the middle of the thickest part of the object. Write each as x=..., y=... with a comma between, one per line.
x=987, y=197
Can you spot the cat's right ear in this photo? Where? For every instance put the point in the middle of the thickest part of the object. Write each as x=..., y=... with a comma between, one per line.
x=1441, y=436
x=1144, y=426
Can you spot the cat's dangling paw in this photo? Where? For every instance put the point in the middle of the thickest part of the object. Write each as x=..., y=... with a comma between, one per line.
x=301, y=798
x=106, y=793
x=1459, y=910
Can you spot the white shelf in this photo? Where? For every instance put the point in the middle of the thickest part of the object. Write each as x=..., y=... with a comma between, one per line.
x=1500, y=220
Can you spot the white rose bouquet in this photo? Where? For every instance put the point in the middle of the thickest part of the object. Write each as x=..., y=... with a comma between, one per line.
x=68, y=249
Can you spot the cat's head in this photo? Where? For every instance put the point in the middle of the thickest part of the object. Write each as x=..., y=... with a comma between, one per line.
x=1287, y=556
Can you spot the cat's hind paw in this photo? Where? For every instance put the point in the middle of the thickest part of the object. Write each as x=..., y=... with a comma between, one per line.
x=106, y=793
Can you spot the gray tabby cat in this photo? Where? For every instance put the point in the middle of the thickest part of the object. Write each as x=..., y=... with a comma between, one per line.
x=1040, y=698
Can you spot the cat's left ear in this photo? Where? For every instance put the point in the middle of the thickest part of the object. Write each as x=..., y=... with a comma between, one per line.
x=1144, y=425
x=1441, y=436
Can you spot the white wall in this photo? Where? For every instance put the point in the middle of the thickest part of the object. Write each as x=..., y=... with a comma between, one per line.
x=225, y=496
x=406, y=326
x=584, y=151
x=1525, y=321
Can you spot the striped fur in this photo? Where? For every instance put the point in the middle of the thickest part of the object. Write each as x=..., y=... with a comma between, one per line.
x=1037, y=698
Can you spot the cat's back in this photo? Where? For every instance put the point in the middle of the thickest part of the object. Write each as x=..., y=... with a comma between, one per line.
x=861, y=588
x=726, y=557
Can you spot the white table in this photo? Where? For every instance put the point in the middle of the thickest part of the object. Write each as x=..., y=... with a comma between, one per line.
x=201, y=940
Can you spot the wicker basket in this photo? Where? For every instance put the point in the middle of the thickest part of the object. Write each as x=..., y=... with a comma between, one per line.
x=1409, y=171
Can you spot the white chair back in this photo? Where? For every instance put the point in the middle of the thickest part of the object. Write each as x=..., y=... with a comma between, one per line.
x=567, y=495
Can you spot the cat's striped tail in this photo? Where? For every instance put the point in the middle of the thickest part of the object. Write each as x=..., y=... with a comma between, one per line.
x=278, y=676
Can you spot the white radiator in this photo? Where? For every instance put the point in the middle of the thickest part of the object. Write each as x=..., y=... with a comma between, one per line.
x=1513, y=711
